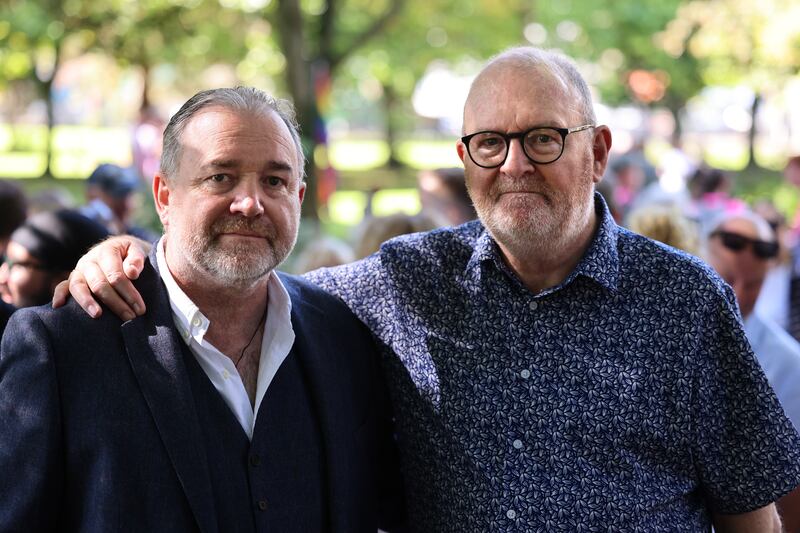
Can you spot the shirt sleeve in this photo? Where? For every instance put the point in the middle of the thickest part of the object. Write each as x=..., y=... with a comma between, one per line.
x=747, y=453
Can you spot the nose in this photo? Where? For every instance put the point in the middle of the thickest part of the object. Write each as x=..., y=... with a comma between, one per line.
x=517, y=163
x=247, y=201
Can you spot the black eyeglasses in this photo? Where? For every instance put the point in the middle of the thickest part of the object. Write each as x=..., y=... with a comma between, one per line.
x=737, y=243
x=10, y=263
x=489, y=149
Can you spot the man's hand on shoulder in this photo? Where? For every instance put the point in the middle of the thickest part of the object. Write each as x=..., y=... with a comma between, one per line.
x=105, y=273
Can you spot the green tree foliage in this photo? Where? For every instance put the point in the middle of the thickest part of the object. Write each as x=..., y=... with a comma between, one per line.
x=740, y=42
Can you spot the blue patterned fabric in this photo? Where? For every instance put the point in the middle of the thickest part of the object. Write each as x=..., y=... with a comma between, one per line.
x=625, y=399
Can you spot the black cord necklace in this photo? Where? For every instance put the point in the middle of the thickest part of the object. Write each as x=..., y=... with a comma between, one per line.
x=253, y=336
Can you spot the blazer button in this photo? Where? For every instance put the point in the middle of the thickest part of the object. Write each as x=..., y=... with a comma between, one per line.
x=255, y=460
x=262, y=505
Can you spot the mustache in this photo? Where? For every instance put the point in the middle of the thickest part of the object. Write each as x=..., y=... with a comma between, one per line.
x=250, y=226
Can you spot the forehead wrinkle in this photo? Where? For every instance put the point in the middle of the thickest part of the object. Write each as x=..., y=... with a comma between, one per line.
x=263, y=127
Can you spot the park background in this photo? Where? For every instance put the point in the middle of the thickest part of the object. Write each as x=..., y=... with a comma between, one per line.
x=379, y=84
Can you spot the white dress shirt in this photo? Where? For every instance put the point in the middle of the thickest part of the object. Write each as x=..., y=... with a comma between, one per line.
x=276, y=343
x=779, y=356
x=773, y=300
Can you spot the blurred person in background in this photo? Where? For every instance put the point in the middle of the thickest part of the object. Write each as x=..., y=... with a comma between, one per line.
x=709, y=192
x=665, y=224
x=774, y=298
x=323, y=252
x=791, y=175
x=674, y=170
x=374, y=231
x=628, y=178
x=444, y=197
x=740, y=247
x=52, y=198
x=111, y=200
x=13, y=210
x=146, y=142
x=42, y=252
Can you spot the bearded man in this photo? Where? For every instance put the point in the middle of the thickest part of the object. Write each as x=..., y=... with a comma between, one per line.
x=243, y=400
x=550, y=370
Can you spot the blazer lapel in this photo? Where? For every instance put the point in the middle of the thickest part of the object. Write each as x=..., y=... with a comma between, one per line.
x=153, y=348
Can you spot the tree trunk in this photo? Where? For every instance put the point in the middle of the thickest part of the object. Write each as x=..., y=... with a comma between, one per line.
x=145, y=87
x=675, y=110
x=298, y=77
x=46, y=90
x=390, y=126
x=751, y=135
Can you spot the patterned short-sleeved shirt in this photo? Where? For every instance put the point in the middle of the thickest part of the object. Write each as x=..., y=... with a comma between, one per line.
x=625, y=399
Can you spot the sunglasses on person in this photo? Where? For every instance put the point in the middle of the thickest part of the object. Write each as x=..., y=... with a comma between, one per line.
x=737, y=243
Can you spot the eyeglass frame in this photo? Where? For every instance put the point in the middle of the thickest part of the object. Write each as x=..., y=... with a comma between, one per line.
x=11, y=263
x=762, y=249
x=508, y=137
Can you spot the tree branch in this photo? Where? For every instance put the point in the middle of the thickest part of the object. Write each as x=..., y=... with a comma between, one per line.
x=334, y=59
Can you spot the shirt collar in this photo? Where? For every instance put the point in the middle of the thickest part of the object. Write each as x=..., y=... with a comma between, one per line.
x=191, y=323
x=600, y=262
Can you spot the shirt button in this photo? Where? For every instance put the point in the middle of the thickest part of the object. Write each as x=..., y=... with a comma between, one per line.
x=196, y=321
x=262, y=505
x=517, y=444
x=511, y=514
x=255, y=460
x=533, y=305
x=525, y=374
x=226, y=375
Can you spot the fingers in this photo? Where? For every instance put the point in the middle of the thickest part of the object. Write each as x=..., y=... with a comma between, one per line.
x=111, y=284
x=134, y=261
x=105, y=281
x=80, y=291
x=60, y=294
x=103, y=274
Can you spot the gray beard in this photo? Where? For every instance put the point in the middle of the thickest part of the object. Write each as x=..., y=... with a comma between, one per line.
x=242, y=265
x=543, y=232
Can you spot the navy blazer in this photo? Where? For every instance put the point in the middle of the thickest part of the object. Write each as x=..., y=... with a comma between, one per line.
x=98, y=430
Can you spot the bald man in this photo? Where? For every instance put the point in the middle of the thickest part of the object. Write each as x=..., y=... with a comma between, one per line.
x=740, y=247
x=550, y=370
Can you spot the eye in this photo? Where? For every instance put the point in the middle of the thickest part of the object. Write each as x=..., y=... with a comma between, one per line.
x=488, y=142
x=219, y=178
x=275, y=181
x=541, y=138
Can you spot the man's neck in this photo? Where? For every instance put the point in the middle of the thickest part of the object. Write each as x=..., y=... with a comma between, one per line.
x=549, y=265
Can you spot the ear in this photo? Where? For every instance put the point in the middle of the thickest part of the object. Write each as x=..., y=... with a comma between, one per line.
x=161, y=197
x=601, y=144
x=301, y=191
x=462, y=151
